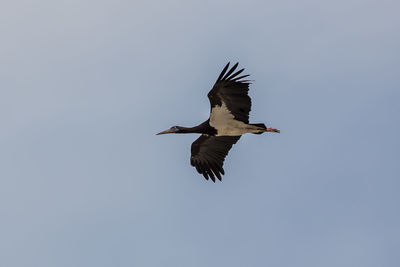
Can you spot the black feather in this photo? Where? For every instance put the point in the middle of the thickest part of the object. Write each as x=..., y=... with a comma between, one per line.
x=223, y=72
x=230, y=71
x=235, y=74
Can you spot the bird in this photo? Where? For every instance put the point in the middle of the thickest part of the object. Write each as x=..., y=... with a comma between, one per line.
x=228, y=121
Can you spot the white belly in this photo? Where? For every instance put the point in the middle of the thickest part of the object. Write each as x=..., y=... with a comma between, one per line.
x=225, y=124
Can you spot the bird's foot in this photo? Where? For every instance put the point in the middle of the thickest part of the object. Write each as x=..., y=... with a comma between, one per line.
x=272, y=130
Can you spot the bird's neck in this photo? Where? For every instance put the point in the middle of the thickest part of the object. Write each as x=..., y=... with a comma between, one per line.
x=203, y=128
x=195, y=129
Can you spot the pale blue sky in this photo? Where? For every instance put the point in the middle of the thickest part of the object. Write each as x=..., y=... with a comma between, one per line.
x=85, y=85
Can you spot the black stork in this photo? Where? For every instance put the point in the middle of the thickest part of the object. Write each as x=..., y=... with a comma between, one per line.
x=229, y=120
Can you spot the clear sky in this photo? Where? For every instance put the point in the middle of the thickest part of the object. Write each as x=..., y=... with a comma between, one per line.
x=85, y=85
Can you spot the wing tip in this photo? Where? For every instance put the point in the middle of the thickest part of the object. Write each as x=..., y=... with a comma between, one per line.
x=223, y=72
x=226, y=76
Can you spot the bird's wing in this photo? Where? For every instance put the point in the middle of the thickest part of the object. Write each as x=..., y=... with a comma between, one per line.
x=231, y=90
x=209, y=152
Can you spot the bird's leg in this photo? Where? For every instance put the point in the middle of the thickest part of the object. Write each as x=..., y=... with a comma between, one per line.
x=272, y=130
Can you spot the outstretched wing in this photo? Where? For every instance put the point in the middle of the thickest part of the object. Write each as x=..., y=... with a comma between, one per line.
x=231, y=90
x=209, y=152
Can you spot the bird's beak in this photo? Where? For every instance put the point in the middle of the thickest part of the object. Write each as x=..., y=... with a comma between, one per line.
x=165, y=132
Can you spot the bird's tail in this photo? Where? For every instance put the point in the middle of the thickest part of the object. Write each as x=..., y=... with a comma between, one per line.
x=260, y=125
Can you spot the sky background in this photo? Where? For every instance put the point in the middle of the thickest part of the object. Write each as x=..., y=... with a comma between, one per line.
x=85, y=85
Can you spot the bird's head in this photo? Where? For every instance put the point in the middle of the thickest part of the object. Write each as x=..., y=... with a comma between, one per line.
x=173, y=129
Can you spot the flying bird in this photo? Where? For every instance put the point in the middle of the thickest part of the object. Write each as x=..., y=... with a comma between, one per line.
x=228, y=121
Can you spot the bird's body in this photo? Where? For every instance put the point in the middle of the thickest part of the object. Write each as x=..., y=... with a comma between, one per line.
x=229, y=119
x=225, y=123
